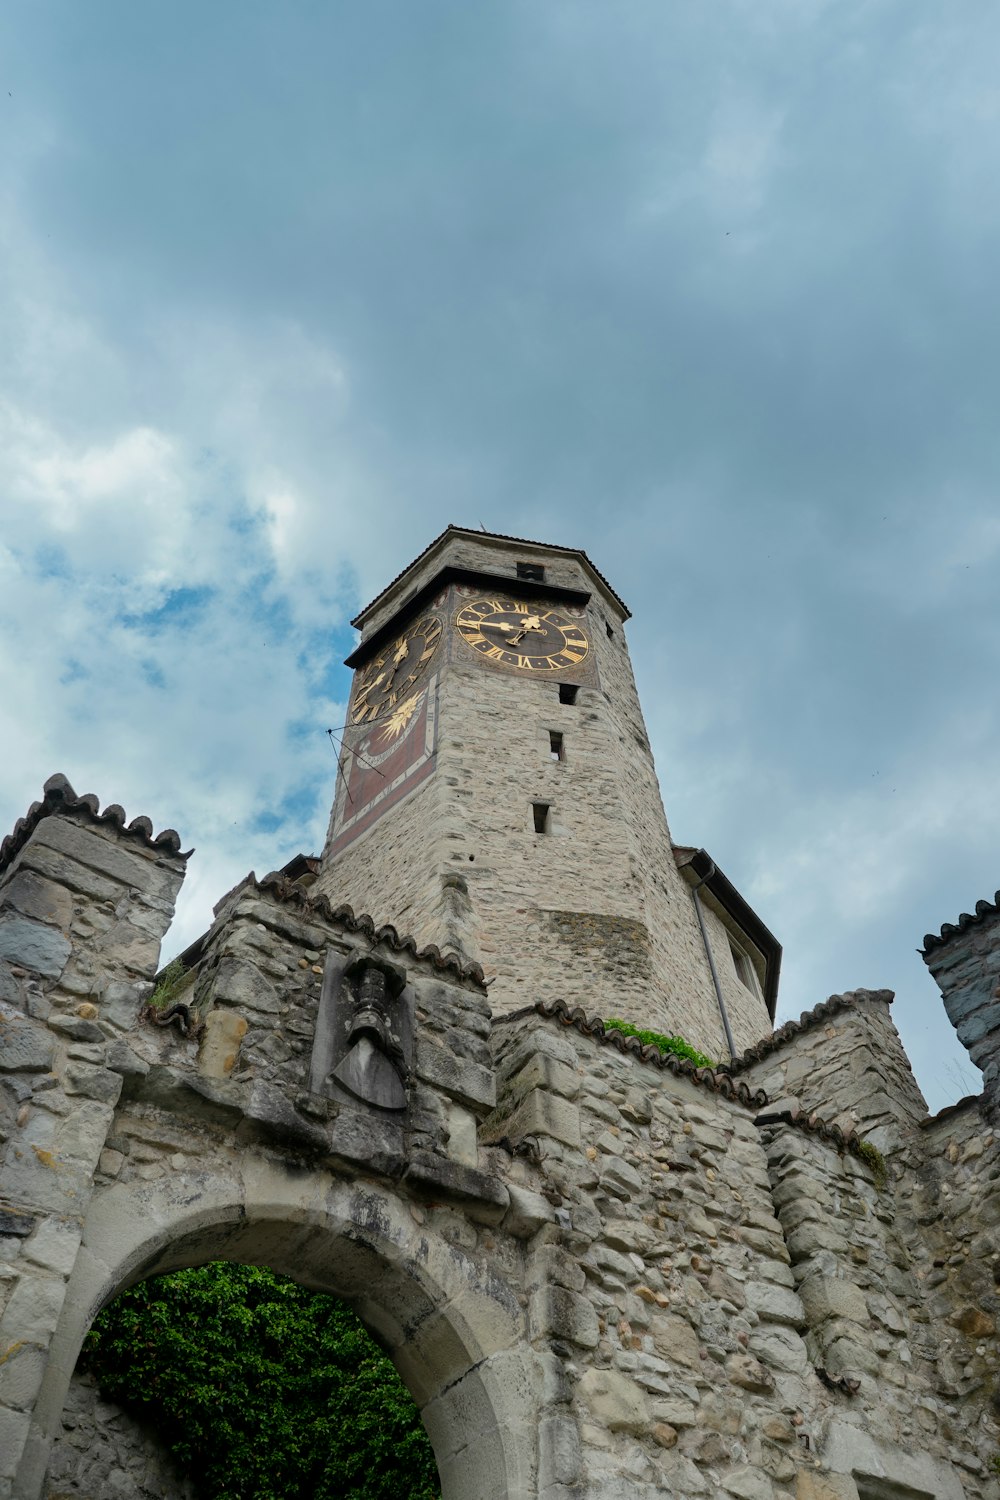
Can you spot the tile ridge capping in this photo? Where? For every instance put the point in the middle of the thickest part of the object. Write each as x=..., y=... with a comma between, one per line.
x=967, y=919
x=58, y=796
x=947, y=1110
x=592, y=1026
x=849, y=1000
x=715, y=1079
x=288, y=893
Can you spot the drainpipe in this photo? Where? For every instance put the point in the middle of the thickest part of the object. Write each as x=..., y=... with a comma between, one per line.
x=711, y=961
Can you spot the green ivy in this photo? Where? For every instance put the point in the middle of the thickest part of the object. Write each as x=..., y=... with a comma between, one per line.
x=262, y=1390
x=674, y=1044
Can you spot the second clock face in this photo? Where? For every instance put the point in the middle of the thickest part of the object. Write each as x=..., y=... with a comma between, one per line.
x=388, y=677
x=532, y=637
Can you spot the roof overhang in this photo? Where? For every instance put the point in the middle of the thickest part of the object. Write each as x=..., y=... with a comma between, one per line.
x=440, y=542
x=525, y=588
x=698, y=868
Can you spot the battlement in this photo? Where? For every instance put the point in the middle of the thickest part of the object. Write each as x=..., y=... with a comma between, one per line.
x=964, y=959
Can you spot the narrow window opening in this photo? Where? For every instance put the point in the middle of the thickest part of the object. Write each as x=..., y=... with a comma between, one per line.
x=611, y=634
x=532, y=571
x=568, y=692
x=743, y=966
x=540, y=814
x=555, y=745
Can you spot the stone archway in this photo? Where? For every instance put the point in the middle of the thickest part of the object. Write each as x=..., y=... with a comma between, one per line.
x=454, y=1330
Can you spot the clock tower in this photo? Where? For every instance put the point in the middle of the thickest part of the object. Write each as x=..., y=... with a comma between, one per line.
x=496, y=795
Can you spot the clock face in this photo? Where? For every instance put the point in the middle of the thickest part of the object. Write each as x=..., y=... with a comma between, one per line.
x=390, y=675
x=532, y=637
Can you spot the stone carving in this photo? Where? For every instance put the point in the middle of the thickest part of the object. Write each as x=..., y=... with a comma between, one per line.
x=363, y=1043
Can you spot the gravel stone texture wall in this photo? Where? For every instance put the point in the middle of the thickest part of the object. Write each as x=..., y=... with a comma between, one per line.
x=104, y=1452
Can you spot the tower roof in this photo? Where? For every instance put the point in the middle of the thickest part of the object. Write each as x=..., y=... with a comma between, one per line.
x=496, y=536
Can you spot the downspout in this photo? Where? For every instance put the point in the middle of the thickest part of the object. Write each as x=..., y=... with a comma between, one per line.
x=711, y=961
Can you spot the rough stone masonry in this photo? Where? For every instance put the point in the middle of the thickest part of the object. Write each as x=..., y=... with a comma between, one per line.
x=604, y=1274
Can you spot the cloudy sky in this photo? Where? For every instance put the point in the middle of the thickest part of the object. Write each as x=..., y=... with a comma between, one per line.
x=707, y=288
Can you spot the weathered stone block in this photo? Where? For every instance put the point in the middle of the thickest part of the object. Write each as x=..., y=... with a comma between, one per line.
x=675, y=1339
x=554, y=1312
x=33, y=1310
x=485, y=1195
x=269, y=1113
x=615, y=1401
x=16, y=1224
x=102, y=1084
x=54, y=1245
x=10, y=988
x=21, y=1372
x=459, y=1077
x=543, y=1071
x=781, y=1348
x=775, y=1304
x=42, y=900
x=527, y=1213
x=13, y=1436
x=24, y=1049
x=558, y=1451
x=619, y=1179
x=244, y=985
x=76, y=1028
x=825, y=1297
x=129, y=864
x=814, y=1486
x=33, y=946
x=220, y=1043
x=120, y=1057
x=122, y=1001
x=541, y=1113
x=748, y=1484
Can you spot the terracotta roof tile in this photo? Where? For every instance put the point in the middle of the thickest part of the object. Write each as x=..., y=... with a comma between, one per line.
x=719, y=1080
x=59, y=797
x=809, y=1018
x=291, y=893
x=949, y=929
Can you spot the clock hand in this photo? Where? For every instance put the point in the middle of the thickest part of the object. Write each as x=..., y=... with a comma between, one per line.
x=402, y=652
x=529, y=624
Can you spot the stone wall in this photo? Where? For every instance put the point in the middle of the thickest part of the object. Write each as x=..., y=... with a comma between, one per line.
x=845, y=1061
x=747, y=1306
x=964, y=959
x=104, y=1451
x=84, y=902
x=602, y=1273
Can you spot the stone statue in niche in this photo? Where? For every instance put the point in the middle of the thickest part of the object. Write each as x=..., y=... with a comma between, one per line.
x=363, y=1038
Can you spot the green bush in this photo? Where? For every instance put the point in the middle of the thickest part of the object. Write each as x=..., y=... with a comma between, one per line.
x=675, y=1044
x=261, y=1389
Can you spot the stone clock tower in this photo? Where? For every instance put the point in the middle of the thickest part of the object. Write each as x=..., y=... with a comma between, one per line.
x=497, y=795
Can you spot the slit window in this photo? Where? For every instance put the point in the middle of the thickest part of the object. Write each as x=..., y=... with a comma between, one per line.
x=611, y=634
x=555, y=745
x=540, y=814
x=531, y=572
x=568, y=692
x=743, y=967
